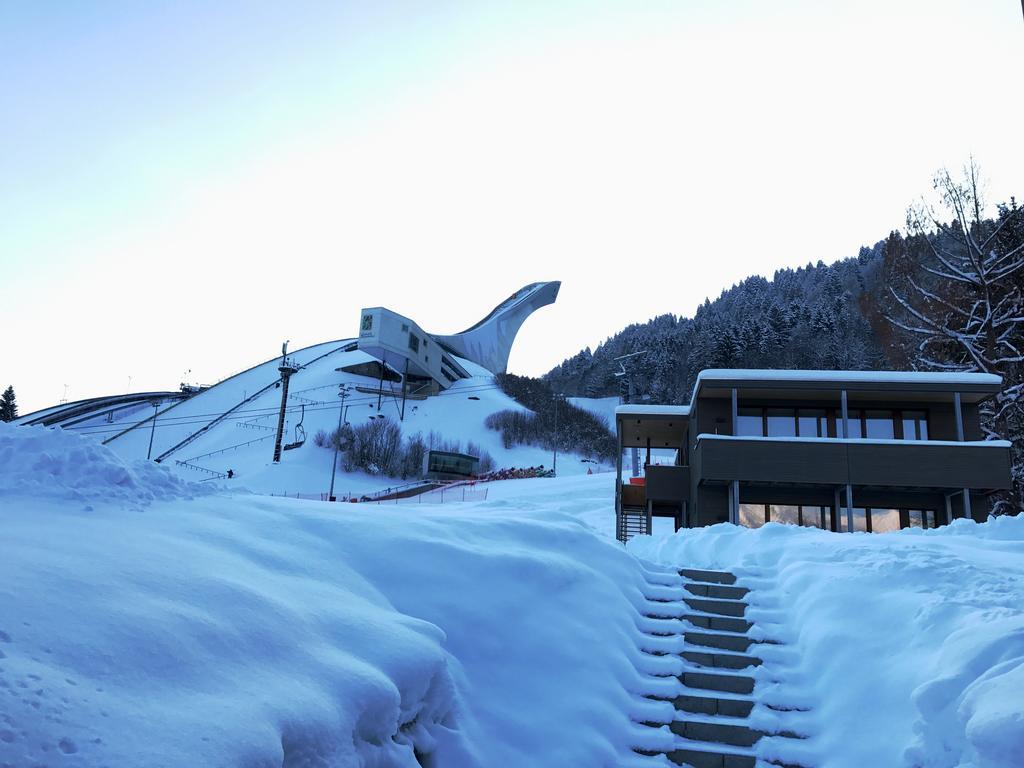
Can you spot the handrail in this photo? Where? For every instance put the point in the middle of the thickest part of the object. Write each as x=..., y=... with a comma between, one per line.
x=229, y=448
x=197, y=468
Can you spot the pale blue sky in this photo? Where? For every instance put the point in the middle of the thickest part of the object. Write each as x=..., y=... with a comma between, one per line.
x=158, y=160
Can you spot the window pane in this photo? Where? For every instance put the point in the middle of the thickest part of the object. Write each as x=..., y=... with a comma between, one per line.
x=810, y=517
x=785, y=514
x=749, y=422
x=885, y=520
x=915, y=518
x=854, y=424
x=812, y=423
x=909, y=429
x=880, y=425
x=860, y=519
x=915, y=425
x=752, y=515
x=929, y=516
x=781, y=422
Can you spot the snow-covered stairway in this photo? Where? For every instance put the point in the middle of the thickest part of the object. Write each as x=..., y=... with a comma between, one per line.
x=728, y=676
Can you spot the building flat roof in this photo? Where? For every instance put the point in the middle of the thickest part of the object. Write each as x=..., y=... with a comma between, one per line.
x=951, y=379
x=637, y=409
x=975, y=386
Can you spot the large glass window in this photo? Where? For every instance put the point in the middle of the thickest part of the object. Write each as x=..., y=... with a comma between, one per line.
x=879, y=425
x=781, y=422
x=752, y=515
x=915, y=425
x=885, y=520
x=813, y=517
x=860, y=519
x=784, y=513
x=812, y=422
x=750, y=422
x=921, y=518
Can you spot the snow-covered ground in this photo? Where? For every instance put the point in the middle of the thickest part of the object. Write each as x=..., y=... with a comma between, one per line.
x=906, y=648
x=148, y=621
x=145, y=621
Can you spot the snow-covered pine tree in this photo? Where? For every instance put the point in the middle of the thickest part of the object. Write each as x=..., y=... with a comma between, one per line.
x=8, y=405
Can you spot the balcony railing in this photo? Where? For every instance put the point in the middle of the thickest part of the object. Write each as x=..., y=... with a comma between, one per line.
x=830, y=461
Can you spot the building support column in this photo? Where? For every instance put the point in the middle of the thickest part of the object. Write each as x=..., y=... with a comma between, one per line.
x=838, y=508
x=849, y=508
x=958, y=408
x=949, y=510
x=735, y=412
x=734, y=502
x=618, y=483
x=649, y=516
x=846, y=415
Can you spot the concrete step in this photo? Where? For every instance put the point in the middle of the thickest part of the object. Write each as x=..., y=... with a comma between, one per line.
x=733, y=734
x=727, y=642
x=718, y=681
x=701, y=756
x=717, y=606
x=716, y=591
x=722, y=623
x=721, y=660
x=714, y=577
x=714, y=705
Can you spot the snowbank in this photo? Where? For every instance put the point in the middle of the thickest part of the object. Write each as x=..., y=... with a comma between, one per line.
x=909, y=646
x=44, y=462
x=241, y=630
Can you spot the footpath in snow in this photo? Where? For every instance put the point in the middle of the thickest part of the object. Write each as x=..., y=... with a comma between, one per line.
x=906, y=649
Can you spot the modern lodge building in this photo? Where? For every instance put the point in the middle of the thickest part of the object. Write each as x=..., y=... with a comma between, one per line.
x=867, y=451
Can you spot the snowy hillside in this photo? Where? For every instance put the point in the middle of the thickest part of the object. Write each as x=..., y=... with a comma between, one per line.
x=146, y=621
x=232, y=425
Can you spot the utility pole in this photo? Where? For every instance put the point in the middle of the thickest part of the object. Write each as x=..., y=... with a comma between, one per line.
x=287, y=368
x=554, y=460
x=342, y=393
x=156, y=406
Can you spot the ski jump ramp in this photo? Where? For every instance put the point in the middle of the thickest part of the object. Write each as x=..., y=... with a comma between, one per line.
x=489, y=342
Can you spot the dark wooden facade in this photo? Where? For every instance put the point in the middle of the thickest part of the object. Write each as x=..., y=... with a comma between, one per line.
x=934, y=467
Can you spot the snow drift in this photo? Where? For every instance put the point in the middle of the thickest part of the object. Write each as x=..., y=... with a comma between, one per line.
x=223, y=630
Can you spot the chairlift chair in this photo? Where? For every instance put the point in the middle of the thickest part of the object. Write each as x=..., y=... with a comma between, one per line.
x=300, y=432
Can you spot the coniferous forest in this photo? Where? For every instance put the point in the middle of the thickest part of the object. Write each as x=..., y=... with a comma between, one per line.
x=945, y=293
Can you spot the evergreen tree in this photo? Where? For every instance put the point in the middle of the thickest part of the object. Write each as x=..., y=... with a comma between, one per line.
x=8, y=405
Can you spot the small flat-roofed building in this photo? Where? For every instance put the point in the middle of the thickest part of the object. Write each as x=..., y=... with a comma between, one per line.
x=401, y=345
x=448, y=465
x=867, y=451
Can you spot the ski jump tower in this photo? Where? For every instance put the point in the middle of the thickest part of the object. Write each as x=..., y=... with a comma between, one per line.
x=399, y=343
